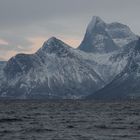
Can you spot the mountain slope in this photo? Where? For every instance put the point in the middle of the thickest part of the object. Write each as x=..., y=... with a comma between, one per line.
x=2, y=65
x=54, y=71
x=59, y=71
x=126, y=84
x=121, y=34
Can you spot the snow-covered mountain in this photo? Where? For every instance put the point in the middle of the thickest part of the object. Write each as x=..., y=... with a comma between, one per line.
x=2, y=65
x=120, y=33
x=126, y=84
x=57, y=71
x=54, y=71
x=102, y=37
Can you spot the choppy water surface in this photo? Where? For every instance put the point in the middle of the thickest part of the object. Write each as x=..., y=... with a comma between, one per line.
x=69, y=120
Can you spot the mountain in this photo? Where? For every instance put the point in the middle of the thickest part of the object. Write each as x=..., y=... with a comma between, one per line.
x=58, y=71
x=2, y=65
x=96, y=38
x=121, y=34
x=105, y=45
x=101, y=37
x=54, y=71
x=126, y=84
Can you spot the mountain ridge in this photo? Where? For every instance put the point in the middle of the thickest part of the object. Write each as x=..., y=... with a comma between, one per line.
x=126, y=84
x=58, y=71
x=104, y=37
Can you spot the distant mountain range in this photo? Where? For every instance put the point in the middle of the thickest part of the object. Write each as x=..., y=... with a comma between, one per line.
x=106, y=65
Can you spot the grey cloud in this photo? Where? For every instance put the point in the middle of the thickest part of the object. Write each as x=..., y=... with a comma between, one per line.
x=16, y=42
x=19, y=12
x=24, y=19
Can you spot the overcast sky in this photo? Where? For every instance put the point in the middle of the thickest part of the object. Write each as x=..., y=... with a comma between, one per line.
x=26, y=24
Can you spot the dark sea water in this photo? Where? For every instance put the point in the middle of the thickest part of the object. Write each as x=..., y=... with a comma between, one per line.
x=69, y=120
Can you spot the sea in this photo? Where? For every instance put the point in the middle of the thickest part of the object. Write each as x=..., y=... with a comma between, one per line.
x=69, y=120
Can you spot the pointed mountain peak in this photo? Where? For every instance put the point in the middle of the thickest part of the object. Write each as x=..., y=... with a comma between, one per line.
x=52, y=40
x=54, y=45
x=96, y=21
x=97, y=38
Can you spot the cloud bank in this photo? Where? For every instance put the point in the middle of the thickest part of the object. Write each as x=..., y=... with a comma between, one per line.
x=25, y=25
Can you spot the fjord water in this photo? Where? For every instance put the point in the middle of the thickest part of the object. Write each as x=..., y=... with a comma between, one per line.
x=69, y=120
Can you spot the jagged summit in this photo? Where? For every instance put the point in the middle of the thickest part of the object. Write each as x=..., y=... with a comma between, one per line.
x=97, y=38
x=52, y=40
x=96, y=18
x=101, y=37
x=54, y=45
x=121, y=34
x=96, y=21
